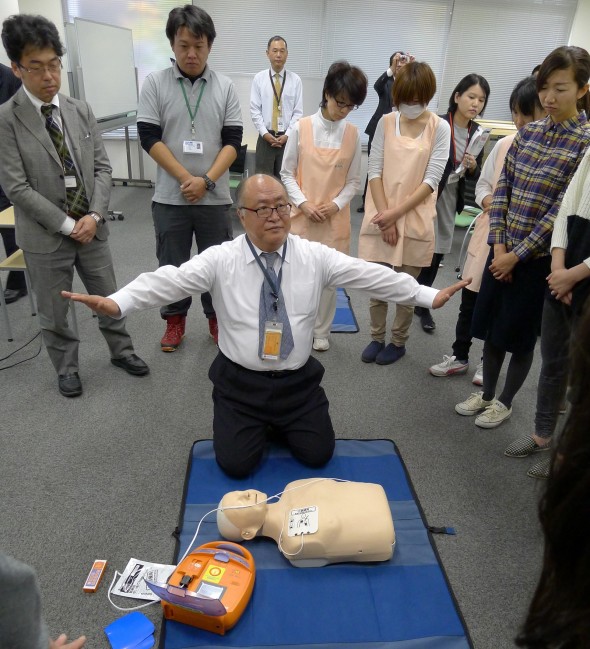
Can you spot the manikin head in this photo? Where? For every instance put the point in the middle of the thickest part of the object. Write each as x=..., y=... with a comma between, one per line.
x=241, y=514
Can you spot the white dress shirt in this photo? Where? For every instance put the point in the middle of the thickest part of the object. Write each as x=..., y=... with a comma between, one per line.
x=326, y=135
x=69, y=223
x=234, y=278
x=262, y=97
x=436, y=163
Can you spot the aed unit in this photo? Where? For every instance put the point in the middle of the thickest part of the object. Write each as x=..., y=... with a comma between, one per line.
x=210, y=587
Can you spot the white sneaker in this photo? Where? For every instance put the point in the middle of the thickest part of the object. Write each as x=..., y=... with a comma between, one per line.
x=478, y=376
x=449, y=366
x=321, y=344
x=474, y=404
x=493, y=415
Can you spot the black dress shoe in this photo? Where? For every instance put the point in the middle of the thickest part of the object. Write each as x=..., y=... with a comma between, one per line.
x=132, y=365
x=69, y=385
x=13, y=294
x=428, y=324
x=360, y=209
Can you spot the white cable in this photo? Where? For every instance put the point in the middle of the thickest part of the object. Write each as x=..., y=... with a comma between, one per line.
x=132, y=608
x=280, y=545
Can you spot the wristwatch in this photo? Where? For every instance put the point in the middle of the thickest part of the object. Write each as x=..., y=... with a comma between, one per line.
x=97, y=217
x=209, y=184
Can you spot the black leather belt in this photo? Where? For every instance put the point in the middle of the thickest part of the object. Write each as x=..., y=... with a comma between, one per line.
x=273, y=374
x=278, y=374
x=277, y=133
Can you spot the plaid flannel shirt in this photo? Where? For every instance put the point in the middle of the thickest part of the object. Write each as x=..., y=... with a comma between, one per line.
x=538, y=167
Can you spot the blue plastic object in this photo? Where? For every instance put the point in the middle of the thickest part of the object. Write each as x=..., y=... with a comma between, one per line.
x=132, y=631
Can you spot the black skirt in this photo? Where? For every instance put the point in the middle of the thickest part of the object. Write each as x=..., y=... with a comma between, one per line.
x=509, y=314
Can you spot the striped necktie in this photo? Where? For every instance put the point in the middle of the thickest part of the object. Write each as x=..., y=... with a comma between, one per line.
x=267, y=309
x=77, y=201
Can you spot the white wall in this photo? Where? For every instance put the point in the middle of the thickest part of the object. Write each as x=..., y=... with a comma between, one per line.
x=580, y=34
x=7, y=8
x=52, y=10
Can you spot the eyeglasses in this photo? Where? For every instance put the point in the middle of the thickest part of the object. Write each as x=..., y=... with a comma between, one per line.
x=266, y=212
x=39, y=70
x=342, y=104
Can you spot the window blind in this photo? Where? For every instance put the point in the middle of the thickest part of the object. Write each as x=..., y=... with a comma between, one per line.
x=502, y=40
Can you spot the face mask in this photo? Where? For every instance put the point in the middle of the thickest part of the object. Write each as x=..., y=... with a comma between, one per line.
x=412, y=112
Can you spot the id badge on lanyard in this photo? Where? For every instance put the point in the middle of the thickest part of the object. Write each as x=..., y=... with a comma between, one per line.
x=273, y=335
x=279, y=99
x=193, y=146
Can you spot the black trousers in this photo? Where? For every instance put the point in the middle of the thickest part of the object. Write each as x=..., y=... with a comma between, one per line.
x=426, y=278
x=463, y=338
x=269, y=159
x=367, y=178
x=429, y=273
x=247, y=405
x=175, y=226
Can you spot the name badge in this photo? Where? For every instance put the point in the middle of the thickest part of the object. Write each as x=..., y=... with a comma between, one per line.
x=280, y=124
x=271, y=347
x=193, y=147
x=71, y=182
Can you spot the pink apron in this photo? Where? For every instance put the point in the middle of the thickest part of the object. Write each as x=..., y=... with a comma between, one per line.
x=321, y=175
x=405, y=160
x=478, y=250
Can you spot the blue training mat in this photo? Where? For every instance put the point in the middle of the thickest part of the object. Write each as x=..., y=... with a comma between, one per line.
x=344, y=319
x=404, y=603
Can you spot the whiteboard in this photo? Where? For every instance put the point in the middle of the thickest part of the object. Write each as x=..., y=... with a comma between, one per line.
x=105, y=70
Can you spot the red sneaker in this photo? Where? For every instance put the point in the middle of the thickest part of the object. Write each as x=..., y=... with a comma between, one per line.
x=213, y=329
x=174, y=333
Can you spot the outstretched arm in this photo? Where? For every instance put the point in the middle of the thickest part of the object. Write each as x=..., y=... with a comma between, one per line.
x=443, y=296
x=99, y=304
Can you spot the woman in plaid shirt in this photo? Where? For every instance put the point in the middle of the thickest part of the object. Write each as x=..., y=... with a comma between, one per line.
x=538, y=167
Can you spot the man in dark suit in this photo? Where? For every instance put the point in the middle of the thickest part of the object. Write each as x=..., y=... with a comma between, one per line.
x=383, y=87
x=55, y=170
x=15, y=284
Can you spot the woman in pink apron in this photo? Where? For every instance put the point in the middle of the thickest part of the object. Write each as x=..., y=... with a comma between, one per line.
x=525, y=107
x=408, y=155
x=321, y=171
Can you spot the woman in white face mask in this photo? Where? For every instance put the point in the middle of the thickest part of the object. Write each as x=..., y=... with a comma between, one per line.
x=408, y=155
x=468, y=101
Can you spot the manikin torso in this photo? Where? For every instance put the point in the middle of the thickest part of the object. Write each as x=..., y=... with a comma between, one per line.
x=315, y=522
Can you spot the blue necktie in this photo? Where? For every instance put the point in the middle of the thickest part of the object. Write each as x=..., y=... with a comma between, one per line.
x=267, y=308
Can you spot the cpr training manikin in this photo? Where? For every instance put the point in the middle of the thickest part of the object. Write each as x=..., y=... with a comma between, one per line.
x=315, y=522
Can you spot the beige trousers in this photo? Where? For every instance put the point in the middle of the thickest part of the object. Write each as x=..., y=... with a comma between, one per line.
x=403, y=314
x=326, y=311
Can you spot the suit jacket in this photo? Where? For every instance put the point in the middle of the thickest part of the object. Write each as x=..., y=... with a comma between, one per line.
x=382, y=87
x=9, y=84
x=31, y=172
x=473, y=126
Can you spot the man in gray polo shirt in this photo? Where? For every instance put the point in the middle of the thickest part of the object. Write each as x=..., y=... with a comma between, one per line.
x=189, y=121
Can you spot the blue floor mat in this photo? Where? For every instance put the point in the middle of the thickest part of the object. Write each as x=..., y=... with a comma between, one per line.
x=344, y=319
x=404, y=603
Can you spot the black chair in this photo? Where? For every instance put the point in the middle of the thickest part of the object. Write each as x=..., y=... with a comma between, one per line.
x=238, y=171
